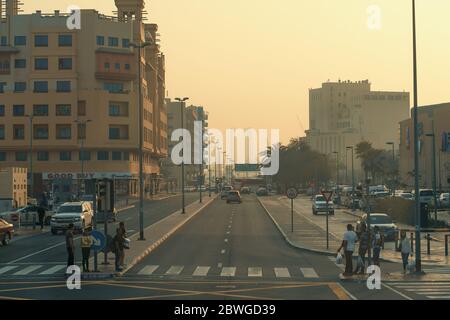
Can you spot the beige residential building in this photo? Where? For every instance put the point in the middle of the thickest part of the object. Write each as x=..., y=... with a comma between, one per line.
x=74, y=93
x=13, y=185
x=345, y=113
x=437, y=116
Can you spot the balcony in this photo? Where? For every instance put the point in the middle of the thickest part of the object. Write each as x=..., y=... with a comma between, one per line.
x=115, y=76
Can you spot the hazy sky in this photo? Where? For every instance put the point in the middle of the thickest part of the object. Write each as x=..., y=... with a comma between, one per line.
x=251, y=62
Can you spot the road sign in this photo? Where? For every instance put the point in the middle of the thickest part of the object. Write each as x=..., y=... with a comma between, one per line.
x=328, y=195
x=15, y=217
x=292, y=193
x=98, y=240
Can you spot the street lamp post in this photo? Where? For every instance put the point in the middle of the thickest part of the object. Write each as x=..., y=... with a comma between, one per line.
x=353, y=180
x=201, y=165
x=83, y=124
x=182, y=102
x=393, y=167
x=209, y=164
x=337, y=176
x=433, y=136
x=139, y=48
x=31, y=155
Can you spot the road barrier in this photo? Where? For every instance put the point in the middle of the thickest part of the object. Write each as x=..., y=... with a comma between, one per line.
x=428, y=237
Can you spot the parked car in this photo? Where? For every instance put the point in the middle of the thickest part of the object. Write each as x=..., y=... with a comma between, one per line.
x=78, y=213
x=320, y=205
x=444, y=201
x=234, y=196
x=425, y=195
x=6, y=232
x=381, y=194
x=245, y=190
x=224, y=192
x=387, y=226
x=262, y=192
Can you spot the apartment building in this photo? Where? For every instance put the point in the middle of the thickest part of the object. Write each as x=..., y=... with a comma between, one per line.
x=69, y=98
x=345, y=113
x=432, y=119
x=14, y=186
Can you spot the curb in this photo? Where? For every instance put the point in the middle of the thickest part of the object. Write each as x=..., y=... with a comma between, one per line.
x=156, y=244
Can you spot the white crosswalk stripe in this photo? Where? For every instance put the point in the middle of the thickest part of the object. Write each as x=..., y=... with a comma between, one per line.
x=282, y=273
x=228, y=272
x=201, y=271
x=309, y=273
x=148, y=270
x=27, y=270
x=430, y=290
x=174, y=270
x=53, y=270
x=7, y=268
x=437, y=270
x=255, y=272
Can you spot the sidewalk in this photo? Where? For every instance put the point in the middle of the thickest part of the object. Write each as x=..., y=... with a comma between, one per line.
x=310, y=231
x=154, y=236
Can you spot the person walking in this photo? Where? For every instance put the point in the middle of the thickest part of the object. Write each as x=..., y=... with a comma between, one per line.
x=118, y=248
x=348, y=244
x=377, y=243
x=86, y=243
x=405, y=249
x=70, y=246
x=41, y=216
x=123, y=235
x=362, y=250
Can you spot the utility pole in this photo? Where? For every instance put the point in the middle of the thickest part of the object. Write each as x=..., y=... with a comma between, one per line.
x=83, y=124
x=393, y=167
x=433, y=136
x=182, y=103
x=353, y=181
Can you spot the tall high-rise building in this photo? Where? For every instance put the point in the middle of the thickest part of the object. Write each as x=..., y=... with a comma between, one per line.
x=73, y=95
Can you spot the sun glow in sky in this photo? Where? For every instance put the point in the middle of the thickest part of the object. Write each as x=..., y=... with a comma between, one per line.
x=251, y=62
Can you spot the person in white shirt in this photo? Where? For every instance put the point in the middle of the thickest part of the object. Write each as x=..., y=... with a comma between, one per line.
x=348, y=243
x=405, y=249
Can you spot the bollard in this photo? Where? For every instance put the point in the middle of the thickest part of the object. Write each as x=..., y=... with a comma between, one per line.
x=412, y=242
x=428, y=244
x=446, y=245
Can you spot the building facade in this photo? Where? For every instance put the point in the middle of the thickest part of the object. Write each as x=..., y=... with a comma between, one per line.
x=429, y=117
x=14, y=186
x=69, y=98
x=345, y=113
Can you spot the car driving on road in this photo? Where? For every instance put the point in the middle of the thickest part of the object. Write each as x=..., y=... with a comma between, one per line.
x=78, y=213
x=320, y=205
x=6, y=232
x=234, y=197
x=387, y=226
x=224, y=193
x=261, y=192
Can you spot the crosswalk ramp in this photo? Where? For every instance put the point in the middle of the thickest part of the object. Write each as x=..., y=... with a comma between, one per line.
x=424, y=290
x=253, y=272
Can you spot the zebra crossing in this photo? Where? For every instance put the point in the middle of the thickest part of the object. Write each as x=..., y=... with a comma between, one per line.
x=226, y=272
x=424, y=290
x=437, y=270
x=35, y=270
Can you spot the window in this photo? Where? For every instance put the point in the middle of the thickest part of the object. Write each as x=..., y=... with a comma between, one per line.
x=21, y=156
x=84, y=155
x=65, y=63
x=63, y=109
x=3, y=41
x=113, y=87
x=100, y=40
x=65, y=40
x=40, y=110
x=116, y=155
x=2, y=110
x=114, y=110
x=117, y=66
x=81, y=108
x=41, y=64
x=126, y=43
x=113, y=42
x=2, y=132
x=41, y=86
x=20, y=63
x=127, y=66
x=18, y=132
x=118, y=109
x=18, y=110
x=20, y=86
x=20, y=41
x=40, y=132
x=63, y=131
x=106, y=65
x=2, y=156
x=41, y=41
x=118, y=132
x=63, y=86
x=65, y=156
x=102, y=155
x=42, y=155
x=2, y=87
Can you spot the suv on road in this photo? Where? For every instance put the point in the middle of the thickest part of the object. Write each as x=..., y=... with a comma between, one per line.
x=320, y=205
x=78, y=213
x=234, y=196
x=224, y=193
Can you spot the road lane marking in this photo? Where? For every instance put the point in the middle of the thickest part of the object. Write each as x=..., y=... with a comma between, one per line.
x=438, y=297
x=53, y=270
x=222, y=252
x=201, y=271
x=226, y=240
x=228, y=272
x=341, y=292
x=255, y=272
x=148, y=270
x=219, y=265
x=6, y=269
x=27, y=270
x=282, y=273
x=397, y=292
x=309, y=273
x=174, y=270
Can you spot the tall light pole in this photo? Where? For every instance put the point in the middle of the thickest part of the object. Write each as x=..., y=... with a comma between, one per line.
x=346, y=167
x=353, y=180
x=139, y=48
x=209, y=164
x=416, y=144
x=30, y=117
x=433, y=136
x=182, y=101
x=83, y=124
x=337, y=175
x=201, y=164
x=393, y=167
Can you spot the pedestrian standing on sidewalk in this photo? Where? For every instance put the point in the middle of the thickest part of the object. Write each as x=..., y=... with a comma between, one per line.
x=70, y=246
x=363, y=246
x=86, y=243
x=405, y=249
x=124, y=235
x=377, y=244
x=41, y=215
x=348, y=244
x=118, y=248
